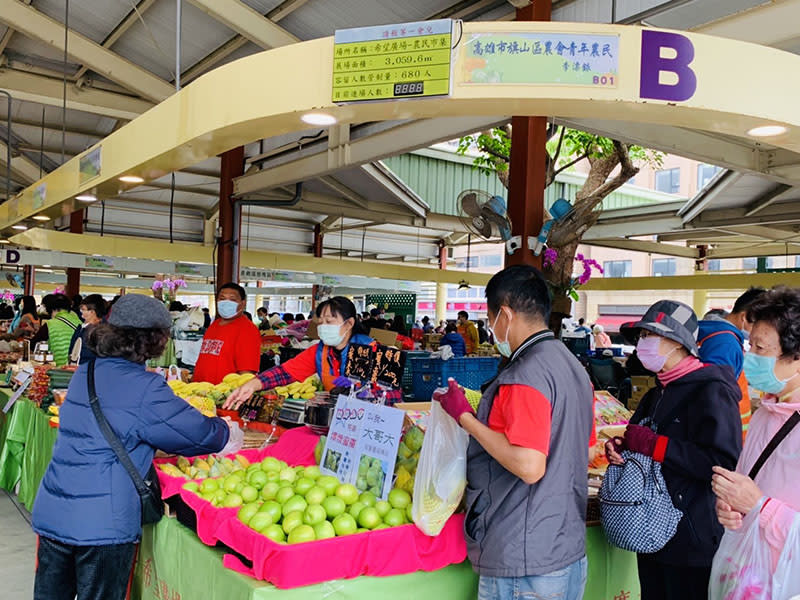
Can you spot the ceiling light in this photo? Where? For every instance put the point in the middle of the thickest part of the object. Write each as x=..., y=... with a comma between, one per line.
x=4, y=242
x=463, y=285
x=767, y=131
x=19, y=227
x=46, y=266
x=41, y=218
x=319, y=119
x=131, y=179
x=86, y=198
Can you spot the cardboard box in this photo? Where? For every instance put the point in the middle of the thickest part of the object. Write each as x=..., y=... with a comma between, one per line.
x=384, y=337
x=640, y=385
x=430, y=341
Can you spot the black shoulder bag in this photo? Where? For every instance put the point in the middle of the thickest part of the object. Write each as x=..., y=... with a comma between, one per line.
x=785, y=430
x=149, y=489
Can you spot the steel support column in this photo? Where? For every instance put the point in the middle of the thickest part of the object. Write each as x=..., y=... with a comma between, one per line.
x=74, y=273
x=318, y=240
x=441, y=288
x=228, y=247
x=527, y=171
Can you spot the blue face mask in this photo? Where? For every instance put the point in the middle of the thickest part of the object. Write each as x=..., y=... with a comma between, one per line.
x=760, y=373
x=330, y=335
x=227, y=309
x=504, y=348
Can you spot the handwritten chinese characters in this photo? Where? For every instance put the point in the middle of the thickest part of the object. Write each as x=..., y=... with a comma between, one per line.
x=376, y=364
x=554, y=58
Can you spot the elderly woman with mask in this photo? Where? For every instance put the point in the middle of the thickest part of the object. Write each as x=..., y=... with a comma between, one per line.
x=706, y=431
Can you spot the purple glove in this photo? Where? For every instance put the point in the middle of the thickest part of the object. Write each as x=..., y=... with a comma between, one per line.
x=640, y=439
x=453, y=401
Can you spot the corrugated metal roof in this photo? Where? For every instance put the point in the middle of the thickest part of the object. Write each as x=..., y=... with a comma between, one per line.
x=439, y=181
x=94, y=19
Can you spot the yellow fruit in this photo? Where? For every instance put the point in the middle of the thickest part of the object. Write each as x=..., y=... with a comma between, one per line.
x=307, y=396
x=202, y=464
x=242, y=461
x=230, y=378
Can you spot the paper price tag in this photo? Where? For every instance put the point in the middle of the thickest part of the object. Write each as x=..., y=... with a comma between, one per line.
x=16, y=395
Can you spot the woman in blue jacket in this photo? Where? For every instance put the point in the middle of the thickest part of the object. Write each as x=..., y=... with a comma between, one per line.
x=87, y=511
x=453, y=339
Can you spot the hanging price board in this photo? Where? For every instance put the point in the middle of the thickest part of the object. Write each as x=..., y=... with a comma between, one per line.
x=376, y=364
x=408, y=60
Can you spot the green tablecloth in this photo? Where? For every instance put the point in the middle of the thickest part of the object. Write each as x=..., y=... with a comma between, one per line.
x=173, y=564
x=27, y=446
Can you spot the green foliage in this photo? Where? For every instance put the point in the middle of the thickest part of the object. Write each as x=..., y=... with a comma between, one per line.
x=495, y=149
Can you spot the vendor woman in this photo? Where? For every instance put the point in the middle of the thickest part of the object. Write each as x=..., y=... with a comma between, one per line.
x=337, y=329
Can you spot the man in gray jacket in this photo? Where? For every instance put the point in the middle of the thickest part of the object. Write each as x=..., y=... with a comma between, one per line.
x=526, y=463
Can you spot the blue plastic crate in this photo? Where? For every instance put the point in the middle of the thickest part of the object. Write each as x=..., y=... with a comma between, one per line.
x=408, y=379
x=470, y=372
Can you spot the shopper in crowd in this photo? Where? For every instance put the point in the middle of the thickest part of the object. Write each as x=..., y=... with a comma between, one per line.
x=76, y=305
x=93, y=311
x=288, y=318
x=442, y=327
x=28, y=323
x=87, y=512
x=59, y=328
x=232, y=343
x=582, y=328
x=398, y=325
x=6, y=312
x=526, y=463
x=721, y=342
x=706, y=431
x=601, y=339
x=483, y=335
x=176, y=306
x=427, y=326
x=299, y=317
x=206, y=319
x=337, y=329
x=263, y=318
x=453, y=339
x=374, y=321
x=772, y=366
x=468, y=331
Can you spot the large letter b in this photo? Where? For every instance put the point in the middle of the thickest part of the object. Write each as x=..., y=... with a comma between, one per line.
x=653, y=64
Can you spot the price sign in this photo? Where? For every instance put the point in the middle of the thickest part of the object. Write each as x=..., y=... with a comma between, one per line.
x=392, y=61
x=361, y=447
x=376, y=364
x=21, y=390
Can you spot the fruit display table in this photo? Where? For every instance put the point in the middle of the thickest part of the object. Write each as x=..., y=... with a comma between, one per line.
x=26, y=446
x=174, y=565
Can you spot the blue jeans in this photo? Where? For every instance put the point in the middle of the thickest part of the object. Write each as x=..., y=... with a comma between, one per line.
x=565, y=584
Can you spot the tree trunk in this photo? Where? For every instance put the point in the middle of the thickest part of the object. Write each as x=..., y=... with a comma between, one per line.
x=559, y=275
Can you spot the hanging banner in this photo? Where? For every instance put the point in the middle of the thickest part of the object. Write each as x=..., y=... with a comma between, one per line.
x=90, y=164
x=99, y=262
x=392, y=61
x=541, y=58
x=188, y=269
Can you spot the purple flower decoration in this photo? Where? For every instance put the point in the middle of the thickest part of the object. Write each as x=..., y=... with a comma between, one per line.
x=550, y=257
x=179, y=283
x=157, y=285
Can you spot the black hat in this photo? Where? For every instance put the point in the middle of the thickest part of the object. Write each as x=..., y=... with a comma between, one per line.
x=667, y=318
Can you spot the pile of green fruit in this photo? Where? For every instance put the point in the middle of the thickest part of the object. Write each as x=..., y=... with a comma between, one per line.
x=299, y=504
x=405, y=468
x=202, y=468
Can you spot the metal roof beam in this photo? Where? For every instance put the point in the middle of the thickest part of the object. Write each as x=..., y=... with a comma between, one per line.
x=42, y=28
x=26, y=169
x=397, y=140
x=765, y=199
x=9, y=34
x=130, y=19
x=247, y=22
x=721, y=184
x=53, y=127
x=647, y=246
x=45, y=90
x=399, y=190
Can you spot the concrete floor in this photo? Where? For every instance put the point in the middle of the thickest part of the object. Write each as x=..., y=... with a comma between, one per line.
x=17, y=551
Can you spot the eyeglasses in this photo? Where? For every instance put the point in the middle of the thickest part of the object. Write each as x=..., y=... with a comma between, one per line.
x=643, y=333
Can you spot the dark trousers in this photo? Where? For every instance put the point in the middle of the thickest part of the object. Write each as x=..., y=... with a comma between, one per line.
x=667, y=582
x=91, y=572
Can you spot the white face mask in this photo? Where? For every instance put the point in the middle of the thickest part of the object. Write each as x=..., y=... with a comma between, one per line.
x=330, y=335
x=504, y=348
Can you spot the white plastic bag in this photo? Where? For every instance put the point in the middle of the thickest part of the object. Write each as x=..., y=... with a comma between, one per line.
x=235, y=440
x=742, y=567
x=441, y=472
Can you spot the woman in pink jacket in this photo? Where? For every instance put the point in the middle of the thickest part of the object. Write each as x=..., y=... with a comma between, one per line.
x=773, y=366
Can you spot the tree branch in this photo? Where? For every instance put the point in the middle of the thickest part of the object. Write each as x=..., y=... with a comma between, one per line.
x=571, y=163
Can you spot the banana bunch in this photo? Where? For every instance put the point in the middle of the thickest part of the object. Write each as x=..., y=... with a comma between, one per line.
x=204, y=404
x=300, y=390
x=203, y=468
x=203, y=389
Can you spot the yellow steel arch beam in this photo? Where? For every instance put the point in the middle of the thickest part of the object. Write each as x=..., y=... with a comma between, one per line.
x=265, y=95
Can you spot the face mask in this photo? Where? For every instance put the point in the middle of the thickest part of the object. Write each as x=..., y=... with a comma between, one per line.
x=647, y=351
x=504, y=348
x=227, y=309
x=330, y=335
x=760, y=373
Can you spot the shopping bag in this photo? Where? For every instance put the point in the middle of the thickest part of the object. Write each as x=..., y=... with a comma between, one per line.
x=441, y=472
x=786, y=581
x=741, y=569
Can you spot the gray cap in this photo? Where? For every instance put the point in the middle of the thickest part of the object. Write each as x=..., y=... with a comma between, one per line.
x=667, y=318
x=140, y=312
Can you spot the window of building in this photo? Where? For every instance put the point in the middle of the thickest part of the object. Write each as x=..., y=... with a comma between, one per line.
x=714, y=264
x=617, y=268
x=668, y=181
x=663, y=267
x=749, y=264
x=797, y=262
x=705, y=173
x=772, y=263
x=467, y=263
x=491, y=260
